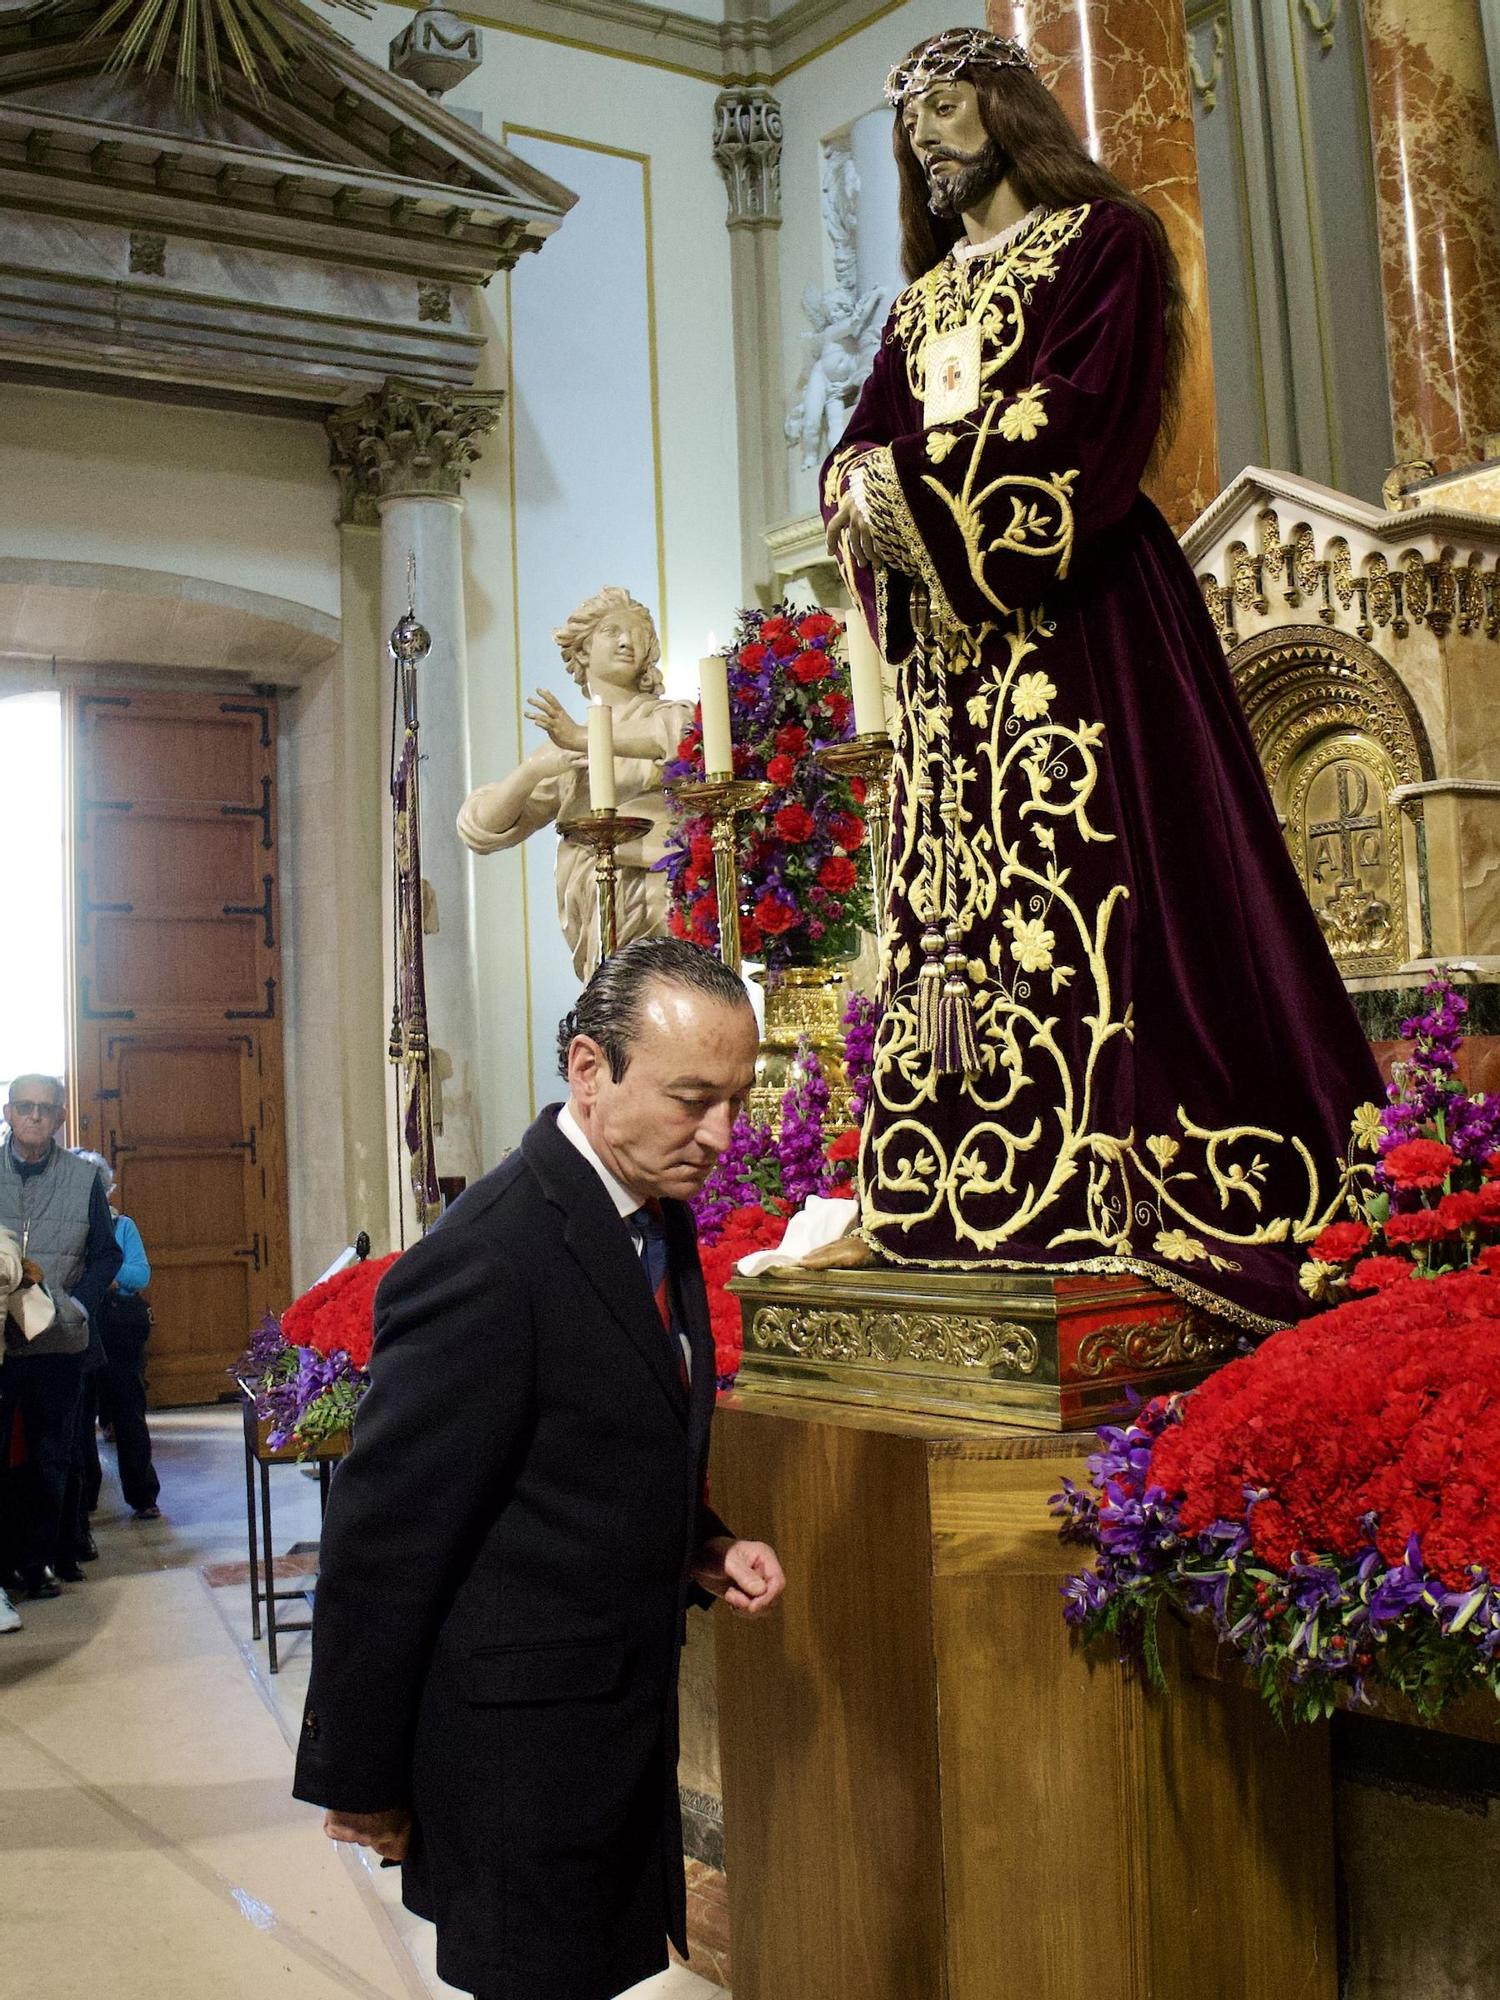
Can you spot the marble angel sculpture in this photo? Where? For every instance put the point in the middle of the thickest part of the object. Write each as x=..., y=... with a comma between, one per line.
x=844, y=323
x=610, y=648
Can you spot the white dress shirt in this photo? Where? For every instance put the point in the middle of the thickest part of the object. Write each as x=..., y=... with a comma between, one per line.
x=625, y=1202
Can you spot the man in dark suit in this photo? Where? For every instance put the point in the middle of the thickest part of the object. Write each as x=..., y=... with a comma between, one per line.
x=512, y=1543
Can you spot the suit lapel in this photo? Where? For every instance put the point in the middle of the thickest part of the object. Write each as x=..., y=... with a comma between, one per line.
x=600, y=1243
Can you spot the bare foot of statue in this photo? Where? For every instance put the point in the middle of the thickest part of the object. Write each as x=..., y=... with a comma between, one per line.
x=846, y=1254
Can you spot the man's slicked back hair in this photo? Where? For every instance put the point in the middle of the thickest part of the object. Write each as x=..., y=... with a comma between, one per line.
x=608, y=1009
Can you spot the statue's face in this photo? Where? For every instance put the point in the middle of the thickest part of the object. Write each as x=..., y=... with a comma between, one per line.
x=620, y=647
x=962, y=163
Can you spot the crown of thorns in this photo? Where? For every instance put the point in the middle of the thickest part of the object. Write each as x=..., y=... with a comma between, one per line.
x=947, y=56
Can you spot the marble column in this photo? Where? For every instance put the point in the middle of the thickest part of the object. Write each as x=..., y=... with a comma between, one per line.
x=747, y=149
x=401, y=456
x=1437, y=181
x=1120, y=70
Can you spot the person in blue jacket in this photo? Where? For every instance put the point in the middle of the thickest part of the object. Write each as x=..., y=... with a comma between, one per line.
x=124, y=1320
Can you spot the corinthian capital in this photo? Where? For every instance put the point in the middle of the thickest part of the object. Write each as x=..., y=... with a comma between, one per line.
x=747, y=146
x=407, y=439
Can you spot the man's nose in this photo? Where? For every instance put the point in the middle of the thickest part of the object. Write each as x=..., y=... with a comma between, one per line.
x=716, y=1128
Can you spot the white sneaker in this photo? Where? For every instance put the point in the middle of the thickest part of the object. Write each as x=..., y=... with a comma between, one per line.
x=10, y=1619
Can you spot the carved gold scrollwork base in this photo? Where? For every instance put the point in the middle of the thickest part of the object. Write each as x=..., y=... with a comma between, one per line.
x=1127, y=1350
x=948, y=1340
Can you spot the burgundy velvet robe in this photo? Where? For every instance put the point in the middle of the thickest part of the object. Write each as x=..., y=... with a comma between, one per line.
x=1113, y=1038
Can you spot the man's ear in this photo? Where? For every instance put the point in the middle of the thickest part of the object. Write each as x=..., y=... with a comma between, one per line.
x=587, y=1068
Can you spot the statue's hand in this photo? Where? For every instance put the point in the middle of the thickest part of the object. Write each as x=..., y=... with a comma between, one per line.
x=549, y=715
x=550, y=762
x=852, y=524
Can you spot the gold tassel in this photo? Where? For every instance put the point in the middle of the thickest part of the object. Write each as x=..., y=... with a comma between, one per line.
x=957, y=1043
x=929, y=986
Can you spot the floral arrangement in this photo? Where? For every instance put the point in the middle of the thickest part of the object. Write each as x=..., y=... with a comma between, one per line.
x=1330, y=1503
x=765, y=1175
x=804, y=875
x=1434, y=1193
x=308, y=1370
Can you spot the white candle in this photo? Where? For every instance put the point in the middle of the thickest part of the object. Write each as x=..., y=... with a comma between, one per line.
x=713, y=696
x=866, y=676
x=601, y=757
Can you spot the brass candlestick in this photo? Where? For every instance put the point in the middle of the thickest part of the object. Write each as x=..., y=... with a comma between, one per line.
x=870, y=757
x=604, y=831
x=723, y=798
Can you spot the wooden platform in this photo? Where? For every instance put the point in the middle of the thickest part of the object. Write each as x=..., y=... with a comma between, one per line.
x=931, y=1795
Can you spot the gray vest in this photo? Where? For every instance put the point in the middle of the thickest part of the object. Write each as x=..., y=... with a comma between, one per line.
x=49, y=1214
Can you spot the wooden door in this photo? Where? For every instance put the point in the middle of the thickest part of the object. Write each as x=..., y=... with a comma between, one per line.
x=177, y=983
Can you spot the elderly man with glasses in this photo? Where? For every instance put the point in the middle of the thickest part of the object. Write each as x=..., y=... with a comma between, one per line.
x=54, y=1204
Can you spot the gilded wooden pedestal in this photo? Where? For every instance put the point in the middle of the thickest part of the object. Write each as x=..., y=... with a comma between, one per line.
x=1050, y=1353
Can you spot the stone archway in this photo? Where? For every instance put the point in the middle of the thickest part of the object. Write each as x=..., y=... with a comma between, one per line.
x=62, y=615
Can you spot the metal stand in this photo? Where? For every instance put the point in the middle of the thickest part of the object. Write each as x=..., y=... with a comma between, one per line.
x=263, y=1590
x=870, y=757
x=723, y=798
x=604, y=832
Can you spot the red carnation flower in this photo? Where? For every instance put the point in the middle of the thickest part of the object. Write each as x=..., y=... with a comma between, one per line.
x=779, y=636
x=781, y=771
x=338, y=1316
x=677, y=922
x=837, y=873
x=750, y=937
x=846, y=831
x=1460, y=1211
x=701, y=849
x=811, y=667
x=838, y=706
x=773, y=915
x=1374, y=1274
x=1420, y=1163
x=1489, y=1260
x=817, y=625
x=1339, y=1242
x=1422, y=1225
x=754, y=656
x=858, y=788
x=791, y=741
x=1492, y=1167
x=844, y=1147
x=794, y=823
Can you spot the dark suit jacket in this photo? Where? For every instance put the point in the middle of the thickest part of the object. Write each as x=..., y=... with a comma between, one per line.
x=504, y=1577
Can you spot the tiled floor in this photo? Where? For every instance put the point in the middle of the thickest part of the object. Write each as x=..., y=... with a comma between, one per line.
x=149, y=1845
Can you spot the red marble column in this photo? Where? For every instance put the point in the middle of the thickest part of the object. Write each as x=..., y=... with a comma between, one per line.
x=1437, y=177
x=1120, y=70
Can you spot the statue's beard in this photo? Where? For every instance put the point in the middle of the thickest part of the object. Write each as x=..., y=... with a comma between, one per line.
x=978, y=175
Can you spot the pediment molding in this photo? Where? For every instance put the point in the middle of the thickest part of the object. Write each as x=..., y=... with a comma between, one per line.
x=304, y=247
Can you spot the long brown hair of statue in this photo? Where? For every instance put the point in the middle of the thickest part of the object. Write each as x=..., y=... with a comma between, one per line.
x=1049, y=168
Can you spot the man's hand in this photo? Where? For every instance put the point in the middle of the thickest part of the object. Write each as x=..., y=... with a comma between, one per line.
x=389, y=1833
x=852, y=523
x=549, y=715
x=745, y=1574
